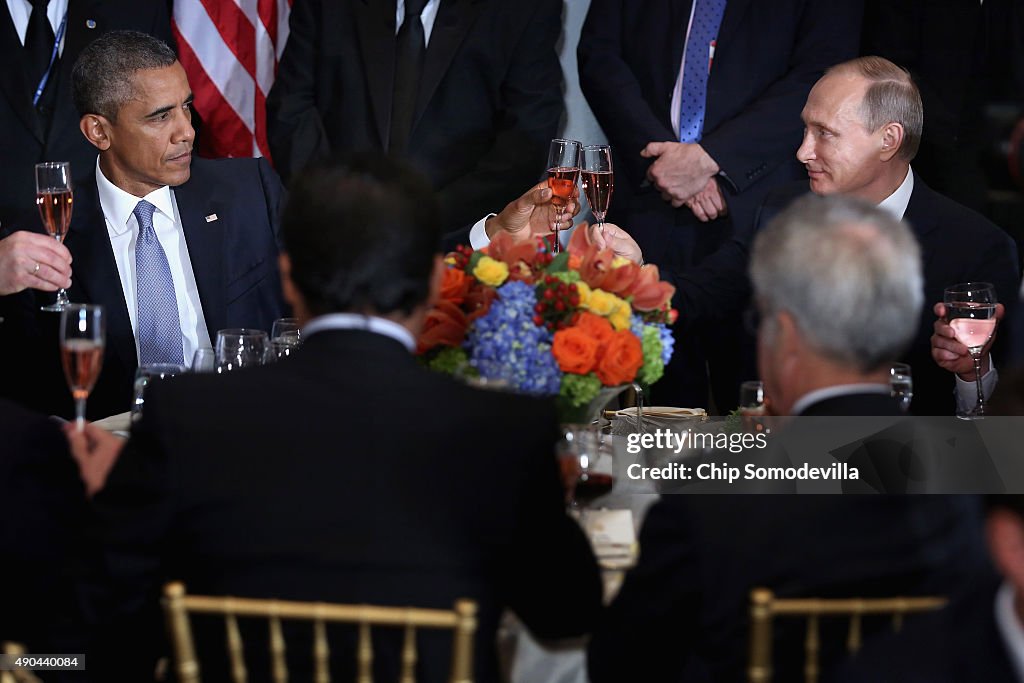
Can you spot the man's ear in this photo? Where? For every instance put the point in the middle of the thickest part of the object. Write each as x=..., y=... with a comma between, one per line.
x=436, y=278
x=892, y=140
x=96, y=130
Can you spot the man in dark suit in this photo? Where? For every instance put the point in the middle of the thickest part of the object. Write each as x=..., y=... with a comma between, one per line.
x=837, y=284
x=174, y=250
x=48, y=131
x=418, y=515
x=467, y=91
x=977, y=637
x=700, y=101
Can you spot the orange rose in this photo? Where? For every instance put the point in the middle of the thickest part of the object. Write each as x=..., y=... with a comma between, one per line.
x=445, y=326
x=621, y=360
x=575, y=350
x=455, y=285
x=596, y=326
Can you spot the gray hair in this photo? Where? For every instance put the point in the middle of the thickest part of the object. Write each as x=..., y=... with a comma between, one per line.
x=102, y=78
x=849, y=274
x=892, y=97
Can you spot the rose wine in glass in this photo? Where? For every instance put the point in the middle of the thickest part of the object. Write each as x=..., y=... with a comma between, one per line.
x=82, y=338
x=598, y=179
x=54, y=199
x=971, y=312
x=563, y=173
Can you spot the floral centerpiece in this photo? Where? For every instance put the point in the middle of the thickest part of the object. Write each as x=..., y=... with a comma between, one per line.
x=567, y=326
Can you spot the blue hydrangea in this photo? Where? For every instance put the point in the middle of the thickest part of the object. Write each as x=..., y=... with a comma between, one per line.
x=506, y=345
x=668, y=342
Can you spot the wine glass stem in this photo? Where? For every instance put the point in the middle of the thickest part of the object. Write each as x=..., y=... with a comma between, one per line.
x=980, y=407
x=556, y=246
x=80, y=414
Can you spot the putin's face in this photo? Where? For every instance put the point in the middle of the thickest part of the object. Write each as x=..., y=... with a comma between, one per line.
x=150, y=143
x=840, y=154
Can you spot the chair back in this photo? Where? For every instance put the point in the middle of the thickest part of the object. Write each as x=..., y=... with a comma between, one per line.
x=765, y=607
x=461, y=620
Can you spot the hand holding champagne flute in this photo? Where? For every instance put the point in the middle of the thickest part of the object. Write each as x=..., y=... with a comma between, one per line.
x=971, y=313
x=563, y=173
x=82, y=338
x=54, y=198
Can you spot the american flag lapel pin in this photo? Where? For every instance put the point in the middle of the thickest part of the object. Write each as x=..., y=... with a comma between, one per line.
x=211, y=218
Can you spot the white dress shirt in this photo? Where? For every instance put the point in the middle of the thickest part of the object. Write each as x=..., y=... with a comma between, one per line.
x=677, y=91
x=21, y=10
x=123, y=230
x=355, y=321
x=427, y=17
x=1010, y=628
x=966, y=392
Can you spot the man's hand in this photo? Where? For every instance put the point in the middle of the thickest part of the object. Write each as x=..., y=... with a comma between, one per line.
x=95, y=450
x=611, y=236
x=680, y=171
x=30, y=260
x=952, y=355
x=709, y=203
x=533, y=214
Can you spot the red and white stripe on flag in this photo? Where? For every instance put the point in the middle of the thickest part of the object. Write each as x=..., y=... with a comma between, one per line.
x=230, y=49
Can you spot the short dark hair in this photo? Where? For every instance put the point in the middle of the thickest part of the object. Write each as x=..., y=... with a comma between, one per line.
x=361, y=236
x=102, y=78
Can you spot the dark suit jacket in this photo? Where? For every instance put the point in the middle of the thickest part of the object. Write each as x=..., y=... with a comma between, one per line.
x=489, y=98
x=25, y=142
x=768, y=55
x=234, y=259
x=41, y=508
x=856, y=404
x=685, y=605
x=960, y=644
x=346, y=473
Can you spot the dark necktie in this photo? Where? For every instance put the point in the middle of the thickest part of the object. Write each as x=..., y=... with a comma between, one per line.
x=38, y=42
x=410, y=48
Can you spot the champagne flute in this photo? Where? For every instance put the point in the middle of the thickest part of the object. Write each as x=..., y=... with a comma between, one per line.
x=82, y=337
x=563, y=172
x=971, y=312
x=54, y=198
x=598, y=179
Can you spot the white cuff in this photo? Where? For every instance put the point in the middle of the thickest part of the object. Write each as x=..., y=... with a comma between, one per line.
x=967, y=392
x=478, y=238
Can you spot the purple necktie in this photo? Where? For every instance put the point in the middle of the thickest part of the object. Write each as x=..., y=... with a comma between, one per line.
x=157, y=305
x=707, y=17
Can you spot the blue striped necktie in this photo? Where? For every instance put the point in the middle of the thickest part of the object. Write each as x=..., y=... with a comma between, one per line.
x=157, y=305
x=707, y=17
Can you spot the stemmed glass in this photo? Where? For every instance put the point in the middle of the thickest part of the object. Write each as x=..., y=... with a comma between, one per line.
x=971, y=312
x=241, y=348
x=285, y=337
x=901, y=385
x=563, y=173
x=579, y=451
x=54, y=198
x=144, y=376
x=598, y=179
x=82, y=338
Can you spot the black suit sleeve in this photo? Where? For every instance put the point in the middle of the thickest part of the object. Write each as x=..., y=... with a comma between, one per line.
x=294, y=129
x=644, y=634
x=612, y=89
x=828, y=33
x=527, y=120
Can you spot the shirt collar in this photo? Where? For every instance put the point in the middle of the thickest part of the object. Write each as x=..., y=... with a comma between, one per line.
x=1010, y=628
x=896, y=203
x=118, y=205
x=819, y=395
x=355, y=321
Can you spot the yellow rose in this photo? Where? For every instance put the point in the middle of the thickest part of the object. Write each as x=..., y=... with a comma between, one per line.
x=583, y=290
x=604, y=303
x=620, y=319
x=490, y=271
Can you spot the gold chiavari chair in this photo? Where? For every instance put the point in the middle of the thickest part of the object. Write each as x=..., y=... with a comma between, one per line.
x=20, y=675
x=461, y=620
x=765, y=607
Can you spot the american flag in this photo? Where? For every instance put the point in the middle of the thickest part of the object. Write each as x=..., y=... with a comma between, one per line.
x=230, y=49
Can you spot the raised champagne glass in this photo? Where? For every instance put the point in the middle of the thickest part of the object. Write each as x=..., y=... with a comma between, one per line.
x=971, y=312
x=598, y=179
x=82, y=338
x=54, y=198
x=563, y=174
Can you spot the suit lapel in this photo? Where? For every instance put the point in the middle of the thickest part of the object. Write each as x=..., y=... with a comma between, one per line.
x=454, y=19
x=734, y=11
x=95, y=270
x=205, y=242
x=681, y=10
x=375, y=23
x=13, y=75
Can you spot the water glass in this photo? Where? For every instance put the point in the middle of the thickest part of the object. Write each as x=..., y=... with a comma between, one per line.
x=901, y=385
x=752, y=397
x=286, y=330
x=241, y=348
x=145, y=375
x=204, y=360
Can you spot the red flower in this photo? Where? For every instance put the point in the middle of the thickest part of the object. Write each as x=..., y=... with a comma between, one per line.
x=445, y=326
